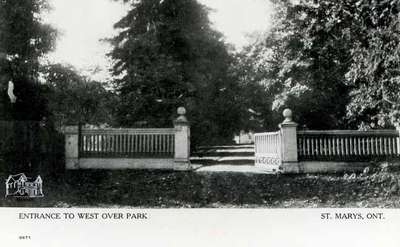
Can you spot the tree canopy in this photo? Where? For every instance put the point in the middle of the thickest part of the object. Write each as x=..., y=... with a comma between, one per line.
x=335, y=63
x=24, y=39
x=374, y=73
x=73, y=98
x=167, y=55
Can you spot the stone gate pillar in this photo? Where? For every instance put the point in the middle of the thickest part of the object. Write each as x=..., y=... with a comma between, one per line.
x=71, y=147
x=289, y=143
x=398, y=138
x=182, y=141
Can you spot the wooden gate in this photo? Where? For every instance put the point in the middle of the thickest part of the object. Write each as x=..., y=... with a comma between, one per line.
x=268, y=151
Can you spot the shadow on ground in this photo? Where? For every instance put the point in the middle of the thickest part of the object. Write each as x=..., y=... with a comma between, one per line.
x=157, y=189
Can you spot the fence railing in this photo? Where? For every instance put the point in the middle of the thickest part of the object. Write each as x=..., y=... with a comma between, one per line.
x=111, y=148
x=268, y=149
x=347, y=145
x=127, y=143
x=316, y=151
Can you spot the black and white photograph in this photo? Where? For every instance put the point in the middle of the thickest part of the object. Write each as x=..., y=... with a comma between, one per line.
x=263, y=106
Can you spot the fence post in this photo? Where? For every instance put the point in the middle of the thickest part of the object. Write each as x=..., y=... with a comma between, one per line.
x=182, y=141
x=398, y=140
x=289, y=143
x=71, y=147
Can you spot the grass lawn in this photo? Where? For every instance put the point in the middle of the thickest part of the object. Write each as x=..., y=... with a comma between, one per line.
x=160, y=189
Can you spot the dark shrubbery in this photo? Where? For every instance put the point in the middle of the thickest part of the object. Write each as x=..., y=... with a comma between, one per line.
x=31, y=147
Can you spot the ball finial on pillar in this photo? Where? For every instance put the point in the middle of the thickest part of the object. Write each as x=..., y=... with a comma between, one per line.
x=181, y=112
x=287, y=114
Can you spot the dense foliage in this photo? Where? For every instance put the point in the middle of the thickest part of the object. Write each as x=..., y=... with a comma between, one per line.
x=256, y=94
x=24, y=39
x=334, y=62
x=167, y=55
x=374, y=73
x=75, y=99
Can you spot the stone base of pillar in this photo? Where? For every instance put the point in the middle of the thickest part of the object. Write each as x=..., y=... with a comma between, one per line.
x=182, y=165
x=290, y=167
x=72, y=163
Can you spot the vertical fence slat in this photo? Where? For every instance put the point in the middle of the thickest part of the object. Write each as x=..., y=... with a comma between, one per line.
x=140, y=143
x=321, y=146
x=128, y=145
x=342, y=147
x=385, y=149
x=163, y=144
x=167, y=143
x=91, y=143
x=137, y=144
x=312, y=146
x=98, y=143
x=102, y=151
x=394, y=150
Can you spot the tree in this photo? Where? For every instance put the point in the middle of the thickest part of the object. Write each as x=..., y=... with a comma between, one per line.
x=24, y=39
x=327, y=60
x=76, y=99
x=167, y=55
x=308, y=53
x=256, y=97
x=374, y=73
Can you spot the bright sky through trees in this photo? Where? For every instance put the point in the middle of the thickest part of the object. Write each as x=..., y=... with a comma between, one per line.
x=82, y=23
